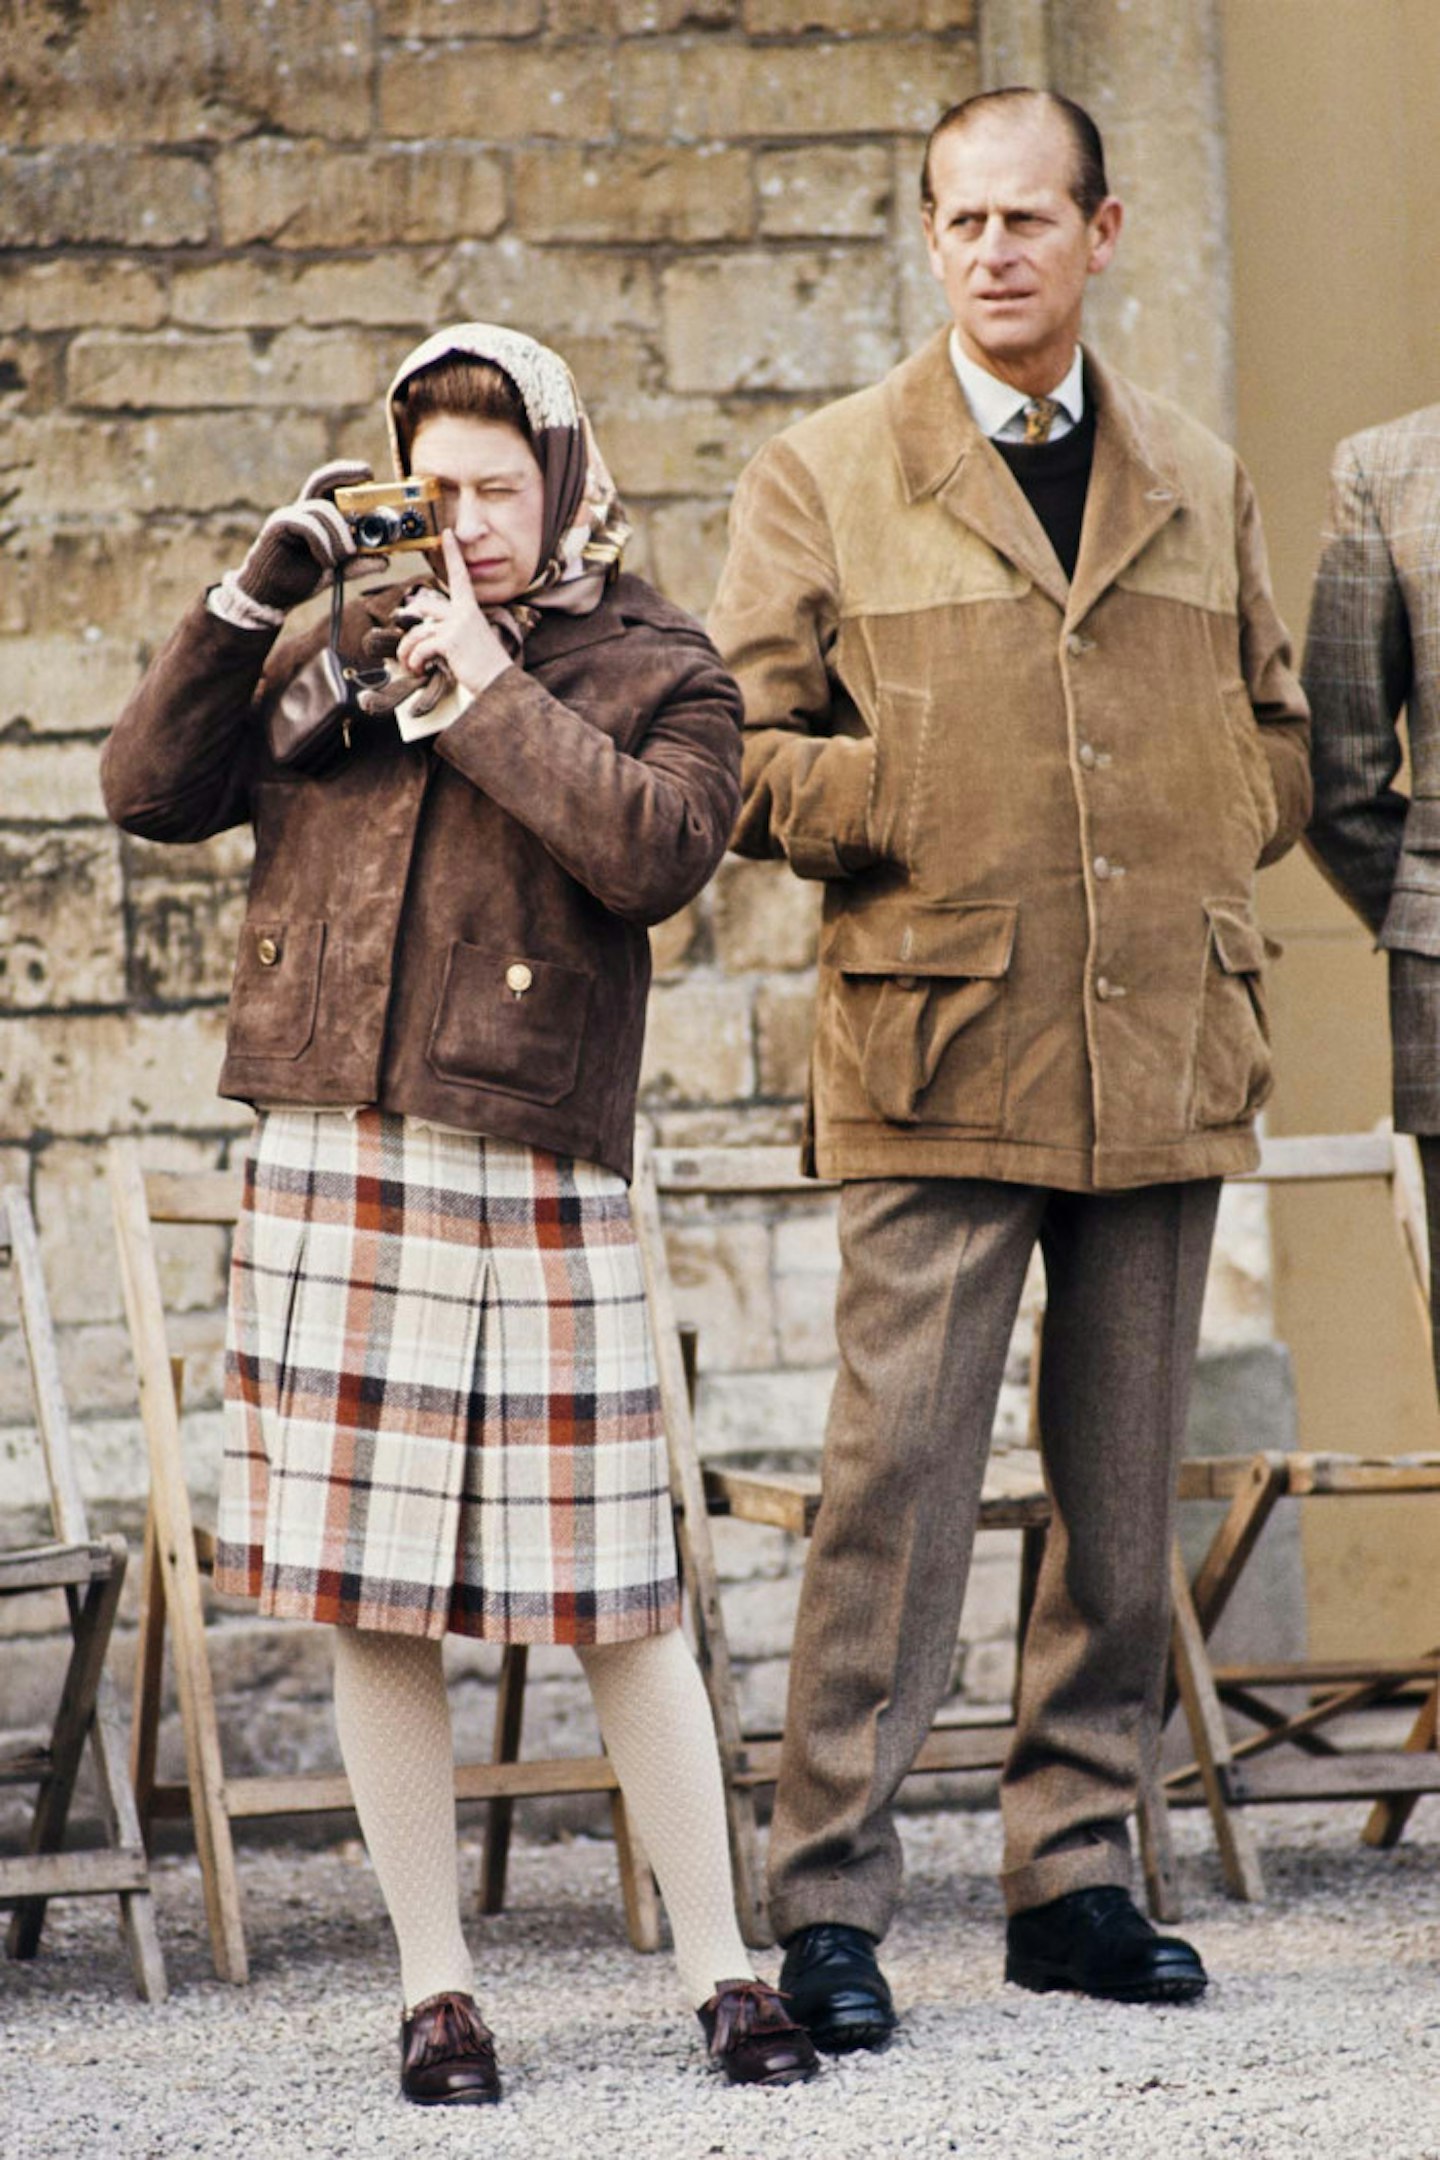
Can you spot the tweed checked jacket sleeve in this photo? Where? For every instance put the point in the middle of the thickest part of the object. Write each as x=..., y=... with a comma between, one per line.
x=1359, y=664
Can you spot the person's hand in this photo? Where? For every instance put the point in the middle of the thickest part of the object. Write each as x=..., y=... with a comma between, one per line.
x=298, y=546
x=451, y=629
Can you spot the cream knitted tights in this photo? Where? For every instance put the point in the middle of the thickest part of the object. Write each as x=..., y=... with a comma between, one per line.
x=393, y=1718
x=655, y=1716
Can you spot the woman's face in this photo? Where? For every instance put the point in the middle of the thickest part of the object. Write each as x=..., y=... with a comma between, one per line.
x=492, y=497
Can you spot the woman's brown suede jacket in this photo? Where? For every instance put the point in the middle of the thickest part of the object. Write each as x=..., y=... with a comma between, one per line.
x=453, y=929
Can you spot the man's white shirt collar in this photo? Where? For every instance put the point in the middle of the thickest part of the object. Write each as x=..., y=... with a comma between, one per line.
x=998, y=408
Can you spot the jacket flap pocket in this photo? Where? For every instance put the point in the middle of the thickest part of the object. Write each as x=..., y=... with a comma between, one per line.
x=1240, y=944
x=276, y=988
x=510, y=1022
x=970, y=940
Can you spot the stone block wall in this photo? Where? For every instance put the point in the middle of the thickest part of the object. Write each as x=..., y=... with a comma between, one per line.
x=220, y=228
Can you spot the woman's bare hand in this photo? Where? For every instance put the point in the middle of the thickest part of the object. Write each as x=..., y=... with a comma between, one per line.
x=453, y=628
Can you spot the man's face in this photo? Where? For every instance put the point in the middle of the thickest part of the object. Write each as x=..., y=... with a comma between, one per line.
x=1010, y=244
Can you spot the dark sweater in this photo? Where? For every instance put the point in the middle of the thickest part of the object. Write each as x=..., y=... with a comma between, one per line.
x=1054, y=477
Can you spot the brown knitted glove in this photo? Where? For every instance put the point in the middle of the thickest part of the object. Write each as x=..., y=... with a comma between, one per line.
x=298, y=545
x=382, y=641
x=379, y=646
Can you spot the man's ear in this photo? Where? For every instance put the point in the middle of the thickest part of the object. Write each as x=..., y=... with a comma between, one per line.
x=1105, y=233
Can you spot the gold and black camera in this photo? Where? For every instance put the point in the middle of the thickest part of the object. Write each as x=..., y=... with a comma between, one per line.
x=386, y=514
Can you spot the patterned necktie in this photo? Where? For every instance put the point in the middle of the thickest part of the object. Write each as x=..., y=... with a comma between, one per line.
x=1040, y=418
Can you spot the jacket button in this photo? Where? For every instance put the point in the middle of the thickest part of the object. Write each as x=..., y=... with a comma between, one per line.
x=518, y=978
x=1077, y=645
x=1101, y=867
x=1087, y=757
x=267, y=952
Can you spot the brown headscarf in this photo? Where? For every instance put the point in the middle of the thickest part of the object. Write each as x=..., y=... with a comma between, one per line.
x=585, y=529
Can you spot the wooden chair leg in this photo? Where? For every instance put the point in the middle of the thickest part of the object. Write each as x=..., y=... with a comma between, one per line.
x=1239, y=1860
x=1266, y=1480
x=137, y=1907
x=205, y=1774
x=1229, y=1550
x=1386, y=1821
x=637, y=1881
x=175, y=1538
x=92, y=1617
x=499, y=1819
x=1157, y=1850
x=149, y=1683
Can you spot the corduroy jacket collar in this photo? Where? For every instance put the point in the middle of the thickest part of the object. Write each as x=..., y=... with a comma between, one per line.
x=1134, y=483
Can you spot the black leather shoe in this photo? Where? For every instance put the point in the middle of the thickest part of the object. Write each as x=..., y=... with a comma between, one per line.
x=835, y=1988
x=1095, y=1942
x=447, y=2054
x=752, y=2038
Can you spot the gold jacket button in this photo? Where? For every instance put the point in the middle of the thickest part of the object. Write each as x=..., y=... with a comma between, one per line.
x=267, y=951
x=518, y=978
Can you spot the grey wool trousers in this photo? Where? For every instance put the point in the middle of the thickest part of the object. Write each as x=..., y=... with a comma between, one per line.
x=931, y=1276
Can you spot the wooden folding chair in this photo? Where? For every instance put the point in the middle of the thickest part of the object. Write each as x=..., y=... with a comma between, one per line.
x=91, y=1572
x=1229, y=1773
x=177, y=1553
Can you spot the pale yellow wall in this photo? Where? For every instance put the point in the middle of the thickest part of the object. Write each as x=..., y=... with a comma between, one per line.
x=1334, y=116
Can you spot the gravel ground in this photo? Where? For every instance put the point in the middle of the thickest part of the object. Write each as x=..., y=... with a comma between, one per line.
x=1320, y=2034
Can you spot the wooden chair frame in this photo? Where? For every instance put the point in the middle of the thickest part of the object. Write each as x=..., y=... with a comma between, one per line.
x=176, y=1555
x=91, y=1572
x=1227, y=1774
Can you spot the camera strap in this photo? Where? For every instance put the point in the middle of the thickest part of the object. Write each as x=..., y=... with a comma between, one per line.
x=350, y=681
x=340, y=674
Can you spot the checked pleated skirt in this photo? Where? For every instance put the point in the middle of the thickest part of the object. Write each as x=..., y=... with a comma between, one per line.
x=442, y=1410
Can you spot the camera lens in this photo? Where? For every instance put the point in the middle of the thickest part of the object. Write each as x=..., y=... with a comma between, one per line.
x=410, y=526
x=375, y=528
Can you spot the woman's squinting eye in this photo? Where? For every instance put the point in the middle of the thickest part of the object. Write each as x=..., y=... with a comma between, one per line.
x=449, y=489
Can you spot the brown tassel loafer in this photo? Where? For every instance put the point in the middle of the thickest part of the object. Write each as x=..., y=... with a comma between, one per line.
x=753, y=2039
x=447, y=2054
